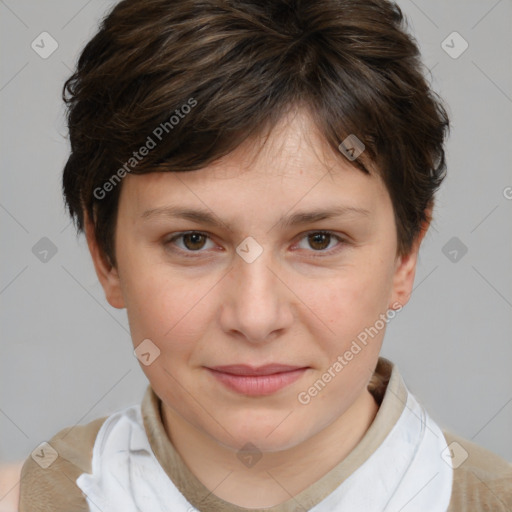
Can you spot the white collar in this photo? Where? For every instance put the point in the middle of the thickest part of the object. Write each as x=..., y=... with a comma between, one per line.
x=406, y=473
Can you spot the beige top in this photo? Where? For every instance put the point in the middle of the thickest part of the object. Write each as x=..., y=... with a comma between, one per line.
x=482, y=482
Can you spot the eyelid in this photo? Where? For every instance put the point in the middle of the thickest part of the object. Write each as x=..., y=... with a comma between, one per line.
x=342, y=241
x=168, y=241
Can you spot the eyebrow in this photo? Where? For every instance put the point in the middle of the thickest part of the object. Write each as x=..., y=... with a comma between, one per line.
x=301, y=217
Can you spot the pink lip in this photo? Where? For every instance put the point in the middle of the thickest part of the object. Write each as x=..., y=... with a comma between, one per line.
x=254, y=381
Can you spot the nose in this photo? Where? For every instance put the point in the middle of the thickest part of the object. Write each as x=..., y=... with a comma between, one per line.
x=258, y=305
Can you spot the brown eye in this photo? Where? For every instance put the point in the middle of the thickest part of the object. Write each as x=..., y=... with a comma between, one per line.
x=319, y=241
x=193, y=241
x=322, y=243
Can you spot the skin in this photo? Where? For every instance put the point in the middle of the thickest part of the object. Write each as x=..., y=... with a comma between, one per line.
x=10, y=474
x=299, y=303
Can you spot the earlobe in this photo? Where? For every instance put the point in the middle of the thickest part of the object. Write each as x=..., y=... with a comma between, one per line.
x=108, y=274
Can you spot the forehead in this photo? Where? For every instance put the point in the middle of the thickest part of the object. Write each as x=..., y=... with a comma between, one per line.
x=289, y=165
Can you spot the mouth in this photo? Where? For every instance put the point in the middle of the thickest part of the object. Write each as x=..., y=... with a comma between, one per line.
x=256, y=381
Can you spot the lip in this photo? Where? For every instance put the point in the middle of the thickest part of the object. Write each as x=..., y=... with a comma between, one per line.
x=256, y=381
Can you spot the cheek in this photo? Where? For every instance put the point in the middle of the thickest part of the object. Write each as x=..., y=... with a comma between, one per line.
x=349, y=300
x=167, y=308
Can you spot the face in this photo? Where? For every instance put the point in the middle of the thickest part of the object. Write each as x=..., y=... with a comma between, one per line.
x=250, y=303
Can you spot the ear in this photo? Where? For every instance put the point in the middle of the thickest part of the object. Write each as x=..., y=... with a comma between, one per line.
x=405, y=270
x=106, y=272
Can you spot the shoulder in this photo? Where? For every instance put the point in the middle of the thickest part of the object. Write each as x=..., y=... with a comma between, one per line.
x=482, y=480
x=49, y=484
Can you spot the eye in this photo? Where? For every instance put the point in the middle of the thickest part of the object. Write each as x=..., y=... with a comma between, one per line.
x=196, y=242
x=193, y=241
x=321, y=240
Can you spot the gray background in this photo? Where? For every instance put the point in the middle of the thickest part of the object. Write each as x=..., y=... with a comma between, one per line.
x=66, y=355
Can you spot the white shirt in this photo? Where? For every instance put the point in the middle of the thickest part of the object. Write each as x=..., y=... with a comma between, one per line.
x=406, y=473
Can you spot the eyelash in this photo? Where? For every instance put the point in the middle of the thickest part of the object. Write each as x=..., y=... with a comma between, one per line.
x=320, y=253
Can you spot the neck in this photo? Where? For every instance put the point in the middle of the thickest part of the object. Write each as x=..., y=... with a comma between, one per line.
x=278, y=476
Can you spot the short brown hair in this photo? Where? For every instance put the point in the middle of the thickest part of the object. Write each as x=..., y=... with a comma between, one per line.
x=241, y=64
